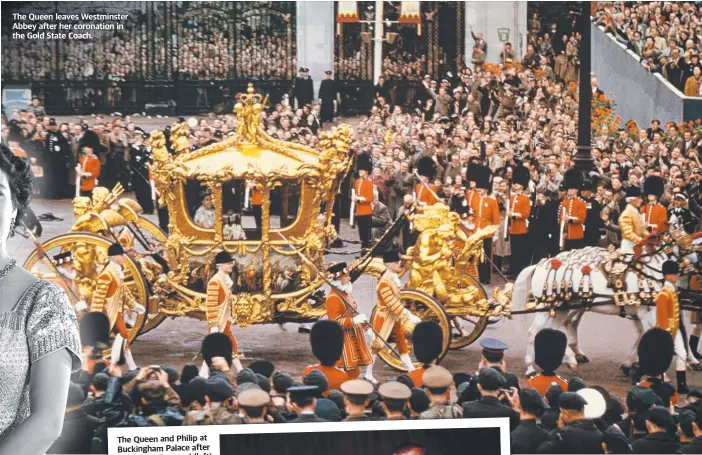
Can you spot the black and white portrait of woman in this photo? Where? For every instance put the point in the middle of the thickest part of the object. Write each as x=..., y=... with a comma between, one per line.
x=39, y=338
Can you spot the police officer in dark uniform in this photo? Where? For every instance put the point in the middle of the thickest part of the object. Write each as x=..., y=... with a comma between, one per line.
x=681, y=216
x=303, y=91
x=356, y=398
x=577, y=434
x=57, y=161
x=528, y=435
x=662, y=433
x=594, y=225
x=492, y=356
x=304, y=398
x=139, y=159
x=327, y=93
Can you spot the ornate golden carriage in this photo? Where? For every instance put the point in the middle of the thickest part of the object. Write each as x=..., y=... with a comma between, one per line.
x=296, y=185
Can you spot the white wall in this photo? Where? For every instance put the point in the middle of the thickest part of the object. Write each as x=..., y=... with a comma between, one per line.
x=315, y=38
x=488, y=17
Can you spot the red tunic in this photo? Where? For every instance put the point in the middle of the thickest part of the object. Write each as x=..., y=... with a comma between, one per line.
x=577, y=208
x=364, y=188
x=335, y=376
x=542, y=383
x=519, y=204
x=355, y=352
x=654, y=215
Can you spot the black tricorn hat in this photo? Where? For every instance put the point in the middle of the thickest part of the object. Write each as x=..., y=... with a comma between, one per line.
x=573, y=179
x=483, y=176
x=521, y=176
x=656, y=350
x=392, y=254
x=327, y=340
x=426, y=167
x=95, y=329
x=427, y=340
x=216, y=345
x=632, y=191
x=550, y=347
x=65, y=257
x=338, y=269
x=223, y=257
x=364, y=162
x=115, y=250
x=670, y=267
x=654, y=185
x=90, y=139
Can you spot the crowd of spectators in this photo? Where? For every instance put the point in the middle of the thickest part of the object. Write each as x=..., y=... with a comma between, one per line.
x=667, y=36
x=203, y=46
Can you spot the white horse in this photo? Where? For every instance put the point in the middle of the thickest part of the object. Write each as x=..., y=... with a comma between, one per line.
x=646, y=319
x=579, y=273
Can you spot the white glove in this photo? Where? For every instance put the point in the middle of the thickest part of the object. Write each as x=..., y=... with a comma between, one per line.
x=214, y=329
x=81, y=305
x=360, y=319
x=414, y=319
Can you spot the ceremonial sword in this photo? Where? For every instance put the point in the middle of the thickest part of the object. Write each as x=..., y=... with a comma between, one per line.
x=416, y=174
x=339, y=292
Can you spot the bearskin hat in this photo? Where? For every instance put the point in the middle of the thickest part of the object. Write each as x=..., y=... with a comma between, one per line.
x=483, y=177
x=632, y=191
x=655, y=351
x=550, y=346
x=427, y=340
x=216, y=344
x=654, y=185
x=426, y=167
x=364, y=162
x=470, y=173
x=95, y=329
x=573, y=179
x=327, y=340
x=15, y=134
x=90, y=139
x=521, y=176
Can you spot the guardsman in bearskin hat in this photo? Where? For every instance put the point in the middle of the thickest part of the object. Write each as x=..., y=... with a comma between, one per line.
x=427, y=342
x=550, y=346
x=425, y=191
x=656, y=350
x=653, y=212
x=88, y=164
x=392, y=314
x=471, y=192
x=15, y=141
x=668, y=317
x=630, y=220
x=572, y=212
x=112, y=298
x=217, y=345
x=328, y=344
x=218, y=303
x=518, y=211
x=356, y=353
x=362, y=199
x=487, y=213
x=94, y=333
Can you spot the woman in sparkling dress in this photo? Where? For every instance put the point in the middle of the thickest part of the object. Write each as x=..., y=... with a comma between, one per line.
x=39, y=338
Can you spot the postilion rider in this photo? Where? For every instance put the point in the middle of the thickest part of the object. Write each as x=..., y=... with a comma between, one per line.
x=112, y=297
x=356, y=352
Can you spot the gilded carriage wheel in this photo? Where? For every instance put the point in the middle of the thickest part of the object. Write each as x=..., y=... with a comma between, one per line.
x=423, y=305
x=90, y=252
x=149, y=228
x=467, y=329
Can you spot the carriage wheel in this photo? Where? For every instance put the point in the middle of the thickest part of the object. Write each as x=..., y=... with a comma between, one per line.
x=152, y=232
x=423, y=305
x=467, y=328
x=90, y=251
